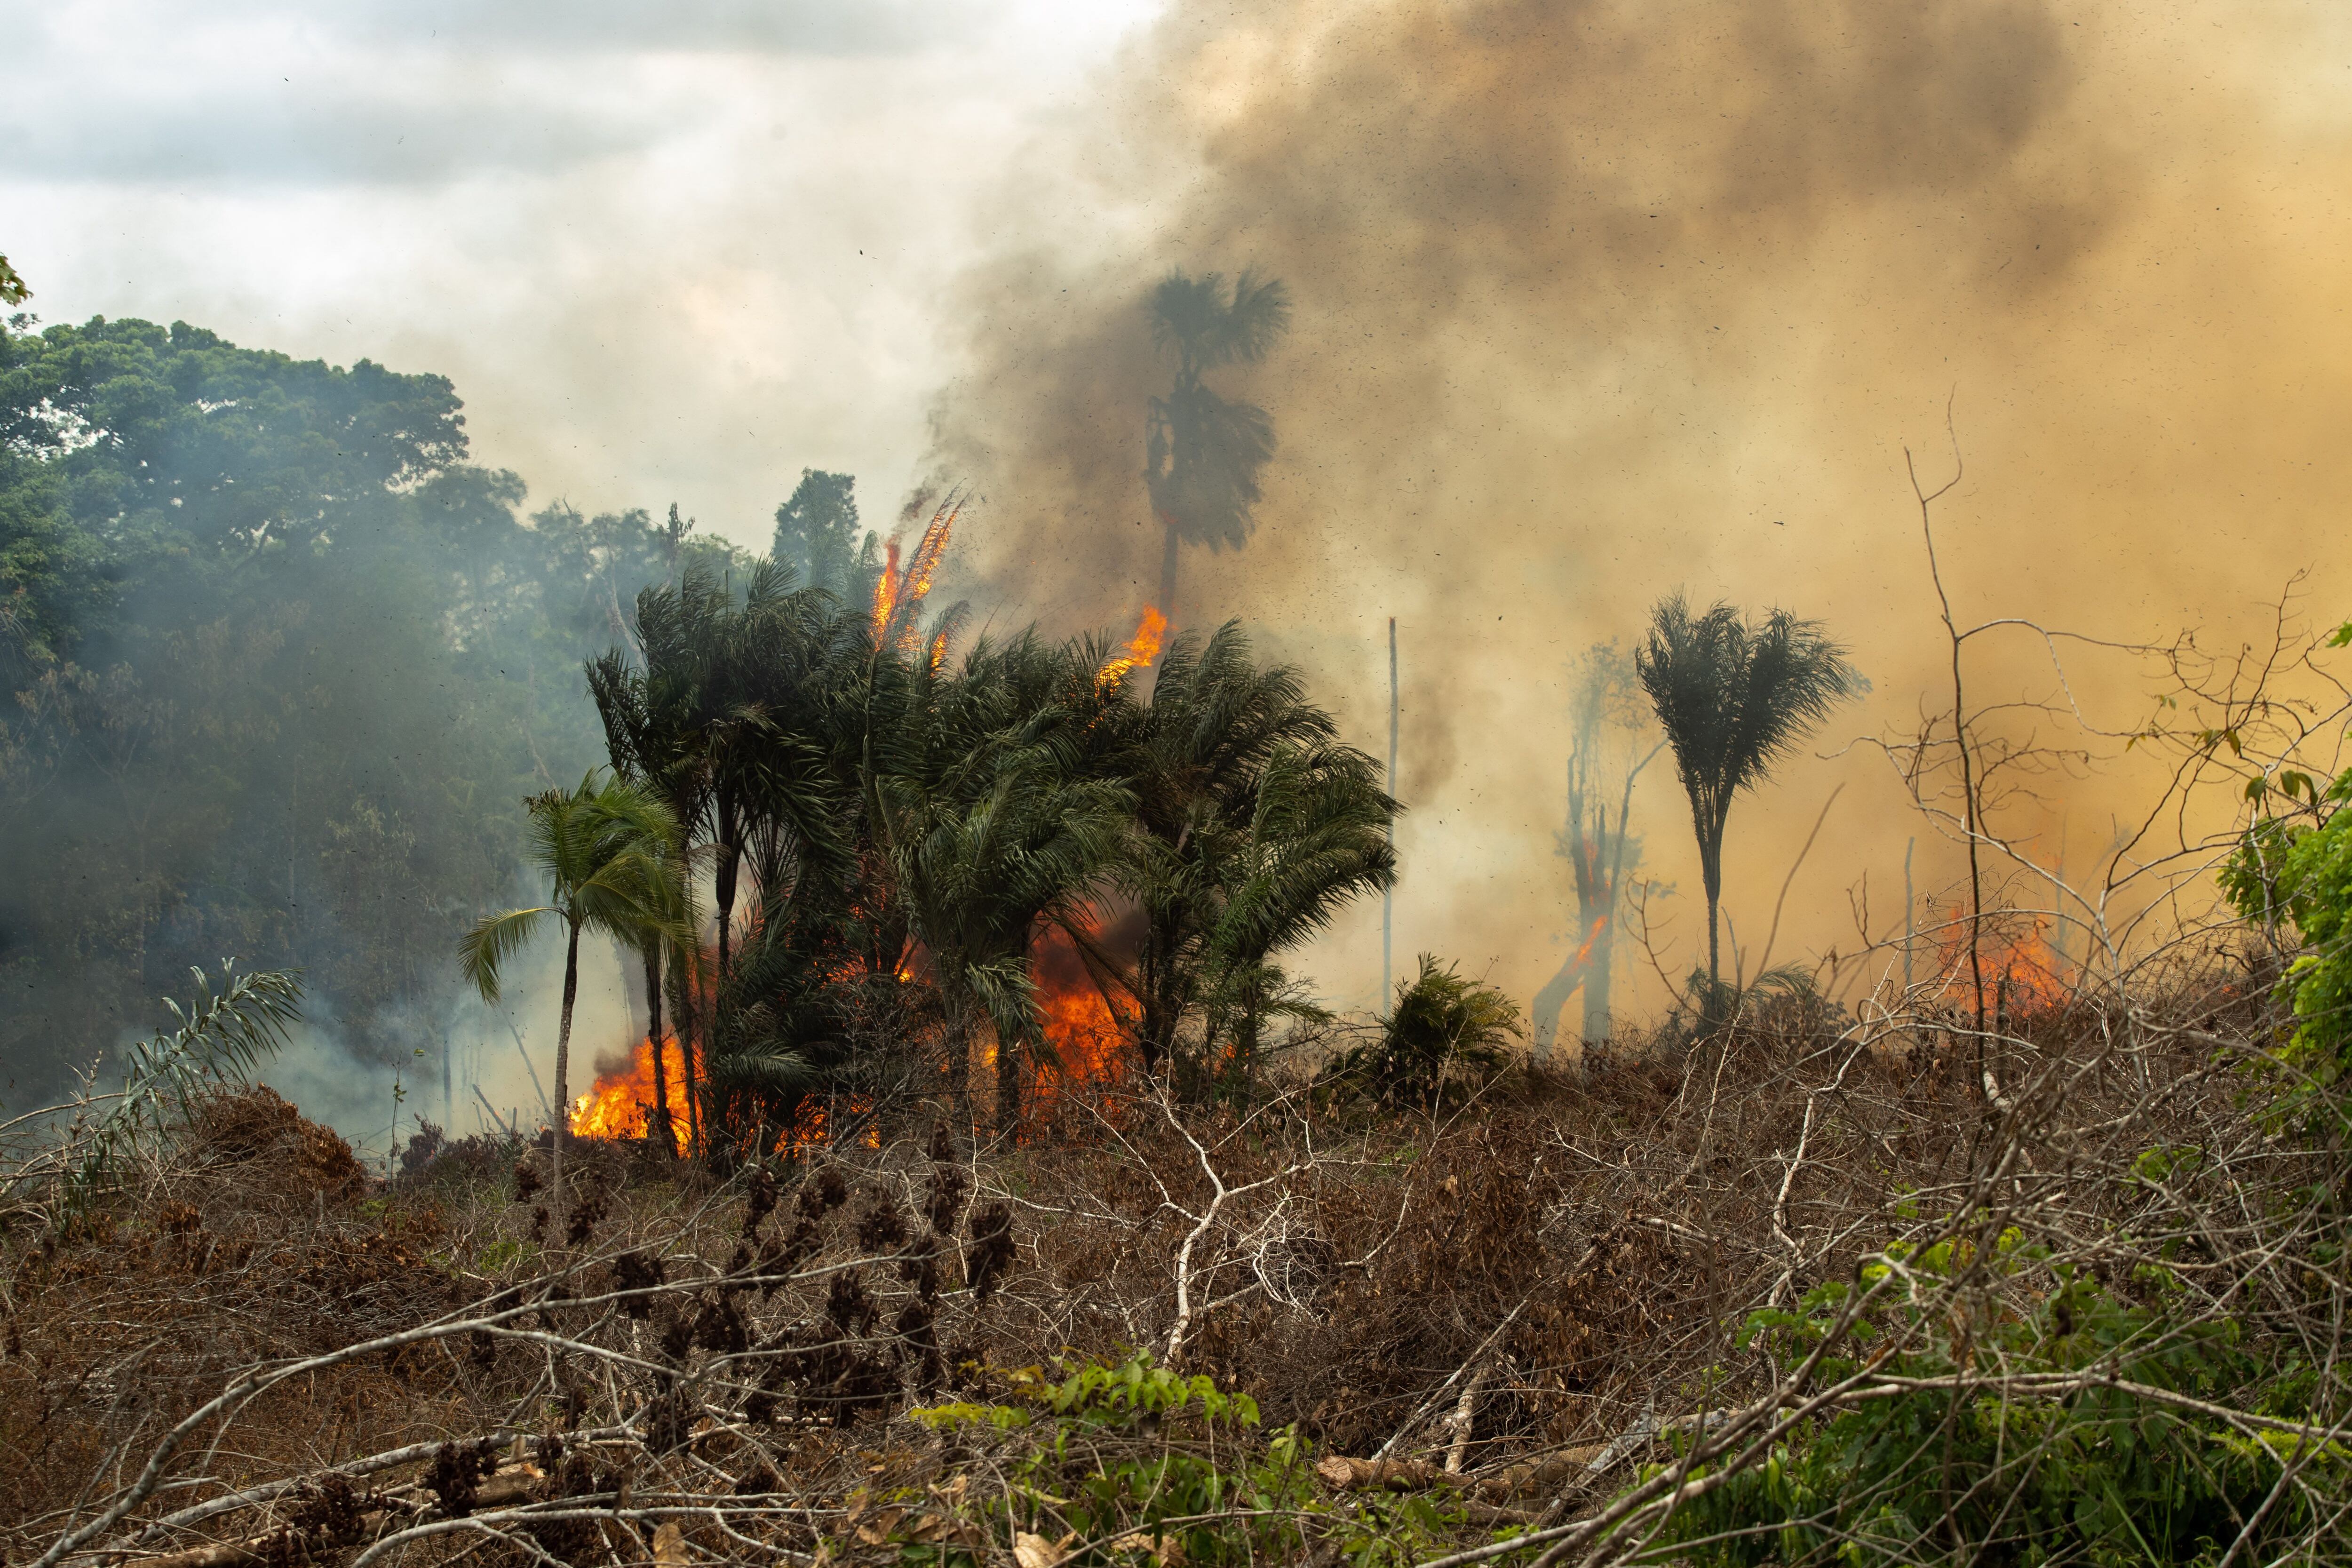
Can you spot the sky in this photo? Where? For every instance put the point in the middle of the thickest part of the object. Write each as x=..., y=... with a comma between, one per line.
x=1595, y=300
x=666, y=253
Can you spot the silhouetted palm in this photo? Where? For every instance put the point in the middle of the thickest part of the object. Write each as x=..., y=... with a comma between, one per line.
x=1734, y=699
x=1203, y=451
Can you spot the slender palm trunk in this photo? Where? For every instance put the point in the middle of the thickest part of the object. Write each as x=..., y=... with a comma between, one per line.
x=958, y=1063
x=1710, y=863
x=687, y=1026
x=664, y=1131
x=563, y=1074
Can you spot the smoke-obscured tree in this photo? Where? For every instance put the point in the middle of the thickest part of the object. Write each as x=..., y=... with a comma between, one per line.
x=1734, y=699
x=1606, y=718
x=1203, y=451
x=609, y=850
x=816, y=531
x=275, y=661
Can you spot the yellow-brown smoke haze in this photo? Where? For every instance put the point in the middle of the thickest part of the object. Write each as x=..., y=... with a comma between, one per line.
x=1598, y=301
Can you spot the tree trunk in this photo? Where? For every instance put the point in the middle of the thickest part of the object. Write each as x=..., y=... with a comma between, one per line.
x=723, y=879
x=1596, y=980
x=1710, y=866
x=663, y=1132
x=688, y=1024
x=563, y=1076
x=959, y=1062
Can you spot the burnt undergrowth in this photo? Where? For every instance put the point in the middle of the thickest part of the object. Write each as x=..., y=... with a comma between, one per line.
x=1607, y=1312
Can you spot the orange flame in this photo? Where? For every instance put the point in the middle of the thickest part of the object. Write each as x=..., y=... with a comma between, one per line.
x=898, y=596
x=1087, y=1037
x=2036, y=974
x=886, y=592
x=622, y=1101
x=1150, y=632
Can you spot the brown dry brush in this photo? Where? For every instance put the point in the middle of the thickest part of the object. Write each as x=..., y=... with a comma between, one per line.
x=1514, y=1299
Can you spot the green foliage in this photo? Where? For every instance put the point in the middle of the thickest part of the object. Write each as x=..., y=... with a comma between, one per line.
x=1443, y=1029
x=13, y=290
x=609, y=851
x=2087, y=1473
x=1128, y=1456
x=222, y=1037
x=2285, y=870
x=816, y=532
x=1252, y=826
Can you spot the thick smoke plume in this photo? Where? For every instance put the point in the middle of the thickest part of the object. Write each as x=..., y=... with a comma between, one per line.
x=1598, y=301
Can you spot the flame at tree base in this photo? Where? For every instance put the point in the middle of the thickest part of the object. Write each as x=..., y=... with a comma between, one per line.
x=621, y=1103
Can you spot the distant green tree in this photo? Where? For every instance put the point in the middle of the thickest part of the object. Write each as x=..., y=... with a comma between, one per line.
x=609, y=851
x=817, y=529
x=1203, y=451
x=1734, y=699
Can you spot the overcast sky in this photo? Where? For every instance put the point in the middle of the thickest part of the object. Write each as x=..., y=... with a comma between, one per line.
x=667, y=252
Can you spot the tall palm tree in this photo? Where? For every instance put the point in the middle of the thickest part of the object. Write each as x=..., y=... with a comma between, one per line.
x=1203, y=451
x=609, y=849
x=1734, y=699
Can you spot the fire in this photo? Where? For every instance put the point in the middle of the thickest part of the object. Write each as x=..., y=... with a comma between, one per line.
x=1087, y=1037
x=1150, y=632
x=623, y=1099
x=2036, y=974
x=898, y=596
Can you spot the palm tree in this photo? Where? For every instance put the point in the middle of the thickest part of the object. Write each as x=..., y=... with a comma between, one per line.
x=1734, y=699
x=1318, y=834
x=1199, y=757
x=1203, y=451
x=1000, y=816
x=609, y=849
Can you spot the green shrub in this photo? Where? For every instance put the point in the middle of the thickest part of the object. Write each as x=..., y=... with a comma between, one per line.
x=2302, y=872
x=1965, y=1469
x=1122, y=1457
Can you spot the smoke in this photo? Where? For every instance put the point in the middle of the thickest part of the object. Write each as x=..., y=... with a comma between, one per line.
x=1597, y=301
x=501, y=1059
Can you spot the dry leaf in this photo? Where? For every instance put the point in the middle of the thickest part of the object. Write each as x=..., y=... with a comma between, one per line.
x=1036, y=1551
x=876, y=1530
x=670, y=1545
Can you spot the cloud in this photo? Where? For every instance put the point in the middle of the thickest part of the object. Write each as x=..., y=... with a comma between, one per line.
x=261, y=139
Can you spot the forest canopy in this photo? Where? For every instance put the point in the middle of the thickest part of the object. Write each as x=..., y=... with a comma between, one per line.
x=280, y=662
